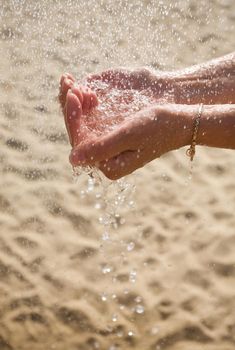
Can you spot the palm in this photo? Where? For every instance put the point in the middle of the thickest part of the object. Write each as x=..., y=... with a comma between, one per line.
x=142, y=80
x=121, y=93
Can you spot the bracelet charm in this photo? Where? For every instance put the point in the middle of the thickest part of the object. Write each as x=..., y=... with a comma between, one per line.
x=192, y=149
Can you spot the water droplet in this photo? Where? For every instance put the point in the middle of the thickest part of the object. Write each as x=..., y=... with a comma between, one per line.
x=113, y=347
x=155, y=330
x=138, y=299
x=98, y=205
x=90, y=186
x=114, y=317
x=130, y=246
x=106, y=269
x=96, y=345
x=132, y=276
x=105, y=236
x=104, y=297
x=105, y=219
x=120, y=334
x=122, y=221
x=139, y=309
x=82, y=194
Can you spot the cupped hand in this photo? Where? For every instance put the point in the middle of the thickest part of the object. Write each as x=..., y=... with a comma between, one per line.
x=159, y=84
x=157, y=87
x=148, y=135
x=76, y=102
x=136, y=140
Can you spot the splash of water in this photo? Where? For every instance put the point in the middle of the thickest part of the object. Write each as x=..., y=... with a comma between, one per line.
x=109, y=196
x=115, y=106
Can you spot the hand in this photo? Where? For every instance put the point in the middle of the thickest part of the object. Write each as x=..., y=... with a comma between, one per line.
x=159, y=87
x=76, y=101
x=144, y=136
x=149, y=134
x=160, y=84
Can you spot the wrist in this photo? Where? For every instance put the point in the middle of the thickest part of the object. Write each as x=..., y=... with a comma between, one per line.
x=188, y=116
x=216, y=126
x=181, y=119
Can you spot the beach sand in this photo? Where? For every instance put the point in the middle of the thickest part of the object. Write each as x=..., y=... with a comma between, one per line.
x=172, y=279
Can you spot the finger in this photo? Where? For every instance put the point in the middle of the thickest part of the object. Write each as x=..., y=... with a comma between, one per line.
x=73, y=112
x=76, y=89
x=64, y=76
x=123, y=164
x=102, y=148
x=81, y=93
x=67, y=84
x=94, y=100
x=62, y=79
x=86, y=99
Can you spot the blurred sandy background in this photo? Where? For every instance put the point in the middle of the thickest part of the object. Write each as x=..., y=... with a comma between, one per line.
x=181, y=260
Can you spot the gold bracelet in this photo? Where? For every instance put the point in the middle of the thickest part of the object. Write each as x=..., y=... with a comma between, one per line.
x=192, y=149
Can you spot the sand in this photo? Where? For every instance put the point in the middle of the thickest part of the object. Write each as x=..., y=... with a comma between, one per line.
x=174, y=288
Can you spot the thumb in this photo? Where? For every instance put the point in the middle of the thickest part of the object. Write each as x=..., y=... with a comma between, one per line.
x=99, y=149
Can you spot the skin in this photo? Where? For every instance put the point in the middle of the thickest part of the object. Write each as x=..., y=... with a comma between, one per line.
x=212, y=82
x=159, y=128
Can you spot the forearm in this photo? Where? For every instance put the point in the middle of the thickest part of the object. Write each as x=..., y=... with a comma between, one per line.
x=216, y=128
x=215, y=91
x=209, y=83
x=216, y=68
